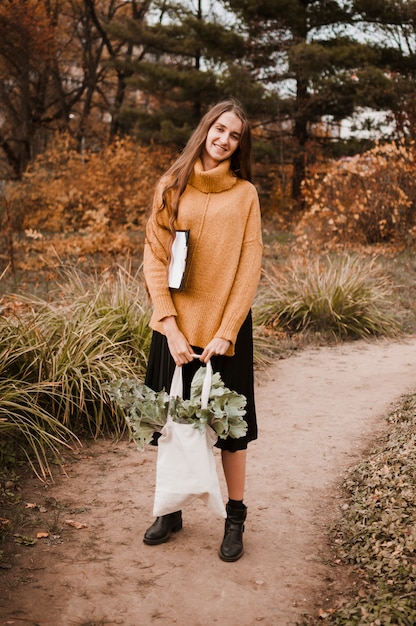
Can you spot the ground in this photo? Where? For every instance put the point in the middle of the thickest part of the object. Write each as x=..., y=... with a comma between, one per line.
x=318, y=411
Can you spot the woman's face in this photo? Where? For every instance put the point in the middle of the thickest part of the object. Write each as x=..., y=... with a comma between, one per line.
x=222, y=140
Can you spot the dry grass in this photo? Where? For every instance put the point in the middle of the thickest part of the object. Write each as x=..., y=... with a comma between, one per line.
x=342, y=297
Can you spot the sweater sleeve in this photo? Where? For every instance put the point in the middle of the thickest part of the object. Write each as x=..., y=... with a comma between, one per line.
x=247, y=276
x=155, y=263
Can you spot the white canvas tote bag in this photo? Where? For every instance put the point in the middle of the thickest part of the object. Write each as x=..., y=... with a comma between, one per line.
x=185, y=468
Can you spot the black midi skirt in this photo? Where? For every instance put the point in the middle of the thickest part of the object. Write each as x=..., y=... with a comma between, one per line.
x=236, y=372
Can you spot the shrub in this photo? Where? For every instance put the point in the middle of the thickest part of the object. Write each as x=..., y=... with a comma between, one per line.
x=67, y=190
x=76, y=204
x=344, y=297
x=370, y=198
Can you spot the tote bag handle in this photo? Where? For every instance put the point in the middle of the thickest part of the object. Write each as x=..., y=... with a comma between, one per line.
x=176, y=388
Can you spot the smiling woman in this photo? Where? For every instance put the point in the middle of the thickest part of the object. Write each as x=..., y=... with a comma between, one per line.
x=222, y=140
x=208, y=193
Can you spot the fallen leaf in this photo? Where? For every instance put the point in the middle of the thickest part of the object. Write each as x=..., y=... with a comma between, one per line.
x=42, y=535
x=74, y=524
x=30, y=505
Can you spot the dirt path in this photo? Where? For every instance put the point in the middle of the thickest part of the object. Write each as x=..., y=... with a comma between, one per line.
x=318, y=411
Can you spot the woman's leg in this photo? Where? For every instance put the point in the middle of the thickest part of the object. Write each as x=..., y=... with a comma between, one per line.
x=234, y=465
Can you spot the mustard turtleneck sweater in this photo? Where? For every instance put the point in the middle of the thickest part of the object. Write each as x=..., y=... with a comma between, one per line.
x=222, y=214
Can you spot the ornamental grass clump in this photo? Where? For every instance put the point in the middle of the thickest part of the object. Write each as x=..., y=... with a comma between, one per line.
x=26, y=427
x=65, y=349
x=98, y=332
x=344, y=297
x=146, y=411
x=115, y=302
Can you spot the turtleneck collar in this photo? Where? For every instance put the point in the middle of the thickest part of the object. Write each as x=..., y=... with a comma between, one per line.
x=218, y=179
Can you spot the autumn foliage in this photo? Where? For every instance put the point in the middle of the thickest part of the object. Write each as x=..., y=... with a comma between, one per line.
x=84, y=203
x=26, y=27
x=368, y=199
x=72, y=204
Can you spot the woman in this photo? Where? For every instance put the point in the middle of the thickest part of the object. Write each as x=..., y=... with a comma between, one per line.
x=208, y=192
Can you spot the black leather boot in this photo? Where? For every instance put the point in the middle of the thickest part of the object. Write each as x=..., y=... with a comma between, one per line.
x=162, y=527
x=232, y=545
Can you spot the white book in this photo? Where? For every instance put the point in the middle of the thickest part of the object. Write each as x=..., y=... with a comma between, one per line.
x=177, y=265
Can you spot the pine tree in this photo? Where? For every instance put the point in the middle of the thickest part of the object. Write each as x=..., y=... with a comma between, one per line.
x=297, y=48
x=188, y=58
x=389, y=83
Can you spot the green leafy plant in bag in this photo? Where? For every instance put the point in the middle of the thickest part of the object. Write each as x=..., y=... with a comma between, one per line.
x=224, y=413
x=146, y=411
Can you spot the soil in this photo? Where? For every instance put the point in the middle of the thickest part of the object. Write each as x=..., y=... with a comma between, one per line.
x=318, y=412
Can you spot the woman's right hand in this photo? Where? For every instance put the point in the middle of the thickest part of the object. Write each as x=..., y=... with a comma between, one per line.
x=178, y=345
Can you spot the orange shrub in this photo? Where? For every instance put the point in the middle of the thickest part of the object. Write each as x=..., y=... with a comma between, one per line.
x=368, y=199
x=67, y=191
x=72, y=205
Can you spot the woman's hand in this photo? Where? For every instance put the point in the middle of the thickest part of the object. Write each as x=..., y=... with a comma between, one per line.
x=216, y=346
x=178, y=345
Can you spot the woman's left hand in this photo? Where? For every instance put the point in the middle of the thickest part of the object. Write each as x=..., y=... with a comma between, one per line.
x=216, y=346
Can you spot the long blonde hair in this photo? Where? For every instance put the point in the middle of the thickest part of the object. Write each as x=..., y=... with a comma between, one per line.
x=178, y=174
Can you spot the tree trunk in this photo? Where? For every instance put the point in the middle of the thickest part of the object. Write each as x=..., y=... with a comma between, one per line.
x=301, y=138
